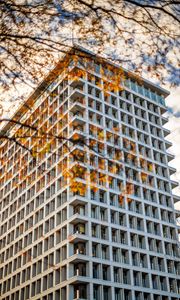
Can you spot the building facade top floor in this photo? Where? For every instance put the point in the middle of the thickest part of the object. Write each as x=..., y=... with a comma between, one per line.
x=99, y=67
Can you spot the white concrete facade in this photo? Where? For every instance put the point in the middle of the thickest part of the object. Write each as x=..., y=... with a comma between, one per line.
x=58, y=245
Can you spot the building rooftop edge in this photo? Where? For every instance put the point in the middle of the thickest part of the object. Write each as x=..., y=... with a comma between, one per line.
x=51, y=75
x=149, y=83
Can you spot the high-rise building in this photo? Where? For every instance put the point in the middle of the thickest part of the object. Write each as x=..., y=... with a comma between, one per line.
x=110, y=232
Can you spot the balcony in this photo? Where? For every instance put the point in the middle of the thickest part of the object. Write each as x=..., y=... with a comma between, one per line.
x=174, y=184
x=80, y=272
x=79, y=210
x=176, y=198
x=77, y=112
x=164, y=120
x=79, y=222
x=76, y=82
x=77, y=129
x=80, y=292
x=77, y=97
x=172, y=170
x=168, y=144
x=79, y=228
x=80, y=248
x=77, y=236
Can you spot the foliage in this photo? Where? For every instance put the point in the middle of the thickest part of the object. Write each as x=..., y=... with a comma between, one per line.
x=39, y=138
x=33, y=34
x=80, y=160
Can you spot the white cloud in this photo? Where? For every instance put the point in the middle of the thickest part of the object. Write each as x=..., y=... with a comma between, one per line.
x=173, y=100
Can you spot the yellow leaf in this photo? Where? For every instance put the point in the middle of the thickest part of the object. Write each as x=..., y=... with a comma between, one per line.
x=101, y=135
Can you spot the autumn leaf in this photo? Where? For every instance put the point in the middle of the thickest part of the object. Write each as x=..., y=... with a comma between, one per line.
x=144, y=176
x=116, y=129
x=46, y=148
x=129, y=200
x=150, y=167
x=101, y=135
x=75, y=136
x=121, y=199
x=93, y=176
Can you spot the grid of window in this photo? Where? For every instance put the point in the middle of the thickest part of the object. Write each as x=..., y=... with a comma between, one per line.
x=58, y=244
